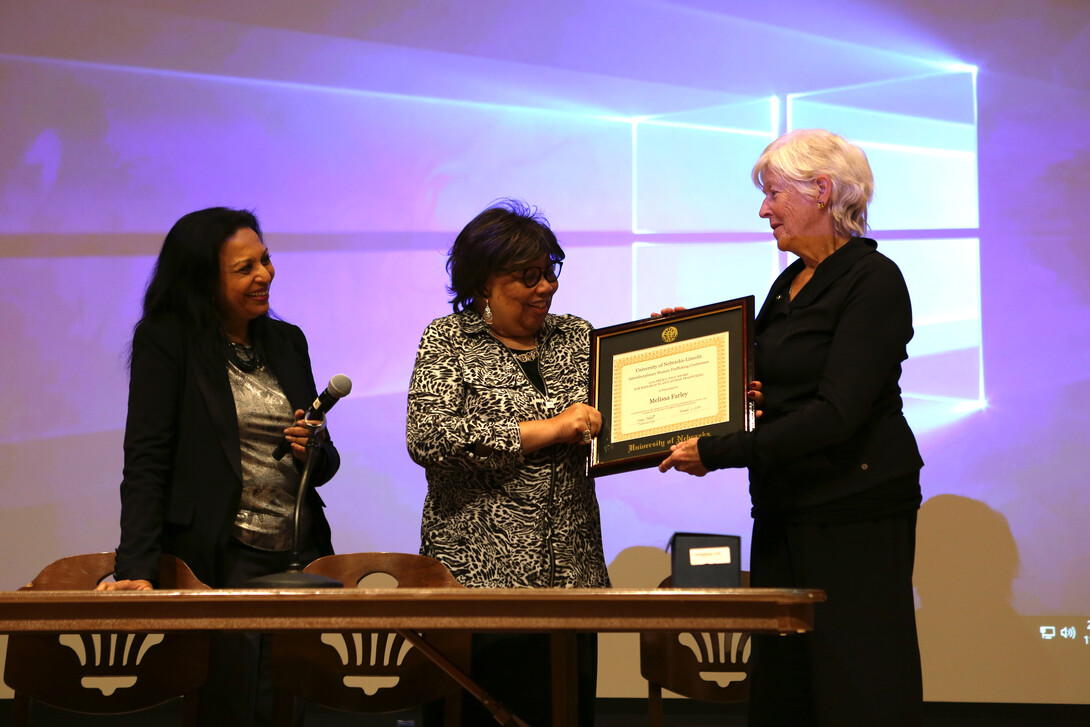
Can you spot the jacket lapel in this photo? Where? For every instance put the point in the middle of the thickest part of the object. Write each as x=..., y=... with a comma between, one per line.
x=827, y=272
x=832, y=267
x=780, y=287
x=216, y=390
x=283, y=362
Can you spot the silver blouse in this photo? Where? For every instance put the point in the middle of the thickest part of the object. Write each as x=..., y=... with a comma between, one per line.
x=269, y=487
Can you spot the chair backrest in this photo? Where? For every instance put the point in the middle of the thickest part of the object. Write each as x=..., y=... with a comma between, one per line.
x=369, y=672
x=706, y=666
x=81, y=572
x=74, y=573
x=409, y=569
x=106, y=672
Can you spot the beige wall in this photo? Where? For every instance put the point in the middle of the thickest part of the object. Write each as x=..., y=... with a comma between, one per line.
x=5, y=692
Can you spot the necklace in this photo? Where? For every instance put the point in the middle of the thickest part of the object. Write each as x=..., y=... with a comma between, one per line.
x=244, y=358
x=524, y=356
x=520, y=356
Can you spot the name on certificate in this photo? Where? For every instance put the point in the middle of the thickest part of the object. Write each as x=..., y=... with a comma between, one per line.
x=671, y=387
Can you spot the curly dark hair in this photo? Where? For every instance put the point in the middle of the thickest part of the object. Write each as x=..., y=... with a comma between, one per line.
x=508, y=234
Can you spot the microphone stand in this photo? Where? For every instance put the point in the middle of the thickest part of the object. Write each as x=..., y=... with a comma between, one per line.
x=294, y=577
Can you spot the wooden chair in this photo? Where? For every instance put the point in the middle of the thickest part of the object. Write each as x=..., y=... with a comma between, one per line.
x=110, y=672
x=369, y=672
x=706, y=666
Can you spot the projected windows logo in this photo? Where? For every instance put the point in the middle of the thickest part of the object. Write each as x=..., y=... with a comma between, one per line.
x=698, y=237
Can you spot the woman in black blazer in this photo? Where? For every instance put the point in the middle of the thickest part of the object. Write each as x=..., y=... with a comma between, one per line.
x=834, y=469
x=215, y=386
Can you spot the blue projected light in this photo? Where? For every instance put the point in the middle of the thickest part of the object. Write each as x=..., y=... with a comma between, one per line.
x=691, y=170
x=694, y=209
x=920, y=136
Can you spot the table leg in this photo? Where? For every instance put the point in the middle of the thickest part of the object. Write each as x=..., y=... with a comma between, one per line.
x=499, y=711
x=565, y=679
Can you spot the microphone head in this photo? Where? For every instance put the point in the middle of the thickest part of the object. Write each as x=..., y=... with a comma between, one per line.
x=340, y=385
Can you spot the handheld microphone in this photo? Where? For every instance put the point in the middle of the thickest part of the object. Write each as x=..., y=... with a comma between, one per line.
x=339, y=386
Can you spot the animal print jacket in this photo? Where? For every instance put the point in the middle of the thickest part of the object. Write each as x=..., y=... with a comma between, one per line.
x=507, y=519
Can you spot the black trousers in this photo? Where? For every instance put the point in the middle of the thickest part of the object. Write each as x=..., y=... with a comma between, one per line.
x=238, y=692
x=516, y=670
x=861, y=664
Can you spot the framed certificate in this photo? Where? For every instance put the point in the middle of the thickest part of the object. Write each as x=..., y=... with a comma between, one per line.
x=662, y=380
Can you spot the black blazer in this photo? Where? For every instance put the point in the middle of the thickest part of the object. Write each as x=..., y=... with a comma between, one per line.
x=182, y=480
x=829, y=362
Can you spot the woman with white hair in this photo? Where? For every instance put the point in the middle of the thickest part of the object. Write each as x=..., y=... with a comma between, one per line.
x=834, y=469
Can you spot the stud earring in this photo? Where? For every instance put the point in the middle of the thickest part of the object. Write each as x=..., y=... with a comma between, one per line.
x=487, y=315
x=821, y=205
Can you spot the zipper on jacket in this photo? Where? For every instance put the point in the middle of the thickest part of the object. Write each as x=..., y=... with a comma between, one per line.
x=550, y=407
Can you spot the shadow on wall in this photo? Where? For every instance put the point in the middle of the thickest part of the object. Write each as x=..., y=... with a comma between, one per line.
x=973, y=644
x=619, y=654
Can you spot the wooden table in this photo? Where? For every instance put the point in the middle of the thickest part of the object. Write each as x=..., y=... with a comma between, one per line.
x=561, y=612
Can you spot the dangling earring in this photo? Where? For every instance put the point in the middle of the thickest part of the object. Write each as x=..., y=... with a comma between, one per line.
x=487, y=315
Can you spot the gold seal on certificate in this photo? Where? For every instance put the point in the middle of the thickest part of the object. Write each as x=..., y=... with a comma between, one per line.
x=659, y=381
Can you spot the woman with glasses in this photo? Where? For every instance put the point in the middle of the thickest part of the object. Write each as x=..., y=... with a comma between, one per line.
x=497, y=417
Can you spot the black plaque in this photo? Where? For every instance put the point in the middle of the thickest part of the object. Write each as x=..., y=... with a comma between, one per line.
x=662, y=380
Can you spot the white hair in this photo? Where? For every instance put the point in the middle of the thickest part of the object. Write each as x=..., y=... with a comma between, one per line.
x=799, y=157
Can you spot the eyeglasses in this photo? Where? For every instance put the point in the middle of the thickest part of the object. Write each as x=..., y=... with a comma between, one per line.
x=532, y=276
